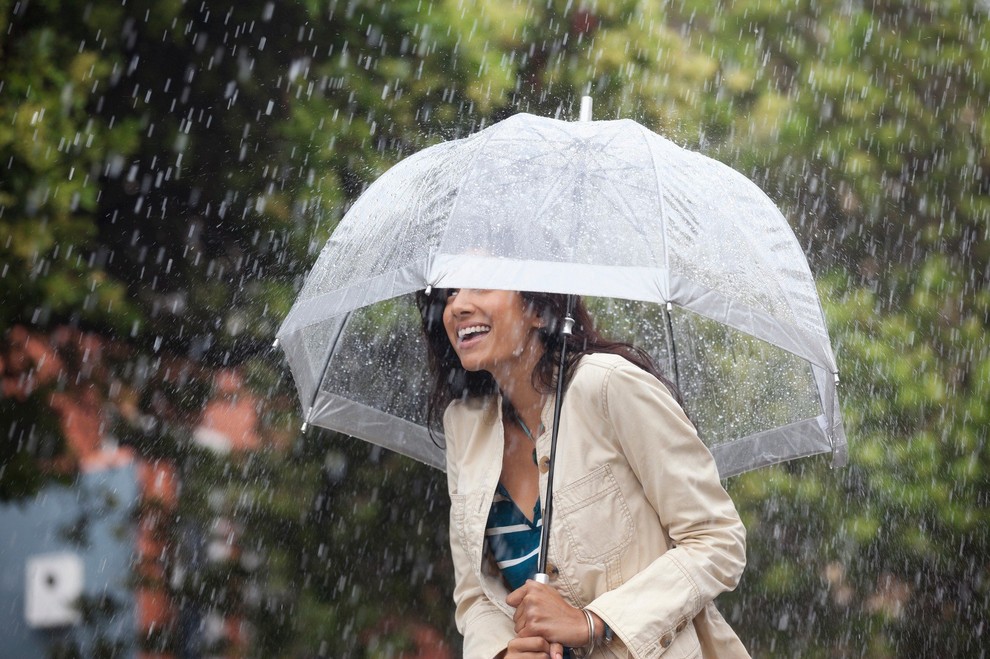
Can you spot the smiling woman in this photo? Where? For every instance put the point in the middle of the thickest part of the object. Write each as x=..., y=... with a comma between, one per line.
x=645, y=537
x=493, y=331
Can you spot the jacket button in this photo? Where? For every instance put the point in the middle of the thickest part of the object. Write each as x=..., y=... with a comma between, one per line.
x=544, y=464
x=552, y=571
x=666, y=640
x=680, y=626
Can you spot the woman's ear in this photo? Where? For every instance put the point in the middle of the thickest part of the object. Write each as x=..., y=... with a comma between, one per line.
x=548, y=325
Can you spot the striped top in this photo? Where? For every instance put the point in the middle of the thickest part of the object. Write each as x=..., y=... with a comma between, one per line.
x=513, y=539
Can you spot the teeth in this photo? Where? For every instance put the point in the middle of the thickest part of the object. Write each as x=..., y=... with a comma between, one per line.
x=474, y=329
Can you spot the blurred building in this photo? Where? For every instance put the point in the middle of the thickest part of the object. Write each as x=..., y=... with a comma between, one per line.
x=65, y=567
x=84, y=562
x=103, y=562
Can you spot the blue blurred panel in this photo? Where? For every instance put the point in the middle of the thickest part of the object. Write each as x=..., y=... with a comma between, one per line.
x=93, y=519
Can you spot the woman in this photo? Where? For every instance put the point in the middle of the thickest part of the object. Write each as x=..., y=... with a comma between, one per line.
x=644, y=537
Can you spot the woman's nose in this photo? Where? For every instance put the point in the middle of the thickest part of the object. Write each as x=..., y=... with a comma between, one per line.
x=462, y=302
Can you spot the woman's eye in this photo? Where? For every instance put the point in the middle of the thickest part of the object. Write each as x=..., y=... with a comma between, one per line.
x=451, y=292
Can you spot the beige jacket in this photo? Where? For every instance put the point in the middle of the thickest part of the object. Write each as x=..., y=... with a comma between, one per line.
x=643, y=533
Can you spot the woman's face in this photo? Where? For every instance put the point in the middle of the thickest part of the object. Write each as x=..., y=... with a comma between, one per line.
x=491, y=330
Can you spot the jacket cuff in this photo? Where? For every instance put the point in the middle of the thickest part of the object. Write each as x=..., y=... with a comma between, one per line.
x=488, y=634
x=647, y=631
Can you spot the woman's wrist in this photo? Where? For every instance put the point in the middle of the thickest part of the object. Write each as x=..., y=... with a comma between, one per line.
x=595, y=633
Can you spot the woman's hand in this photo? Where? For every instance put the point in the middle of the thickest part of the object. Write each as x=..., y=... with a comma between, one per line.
x=533, y=647
x=541, y=612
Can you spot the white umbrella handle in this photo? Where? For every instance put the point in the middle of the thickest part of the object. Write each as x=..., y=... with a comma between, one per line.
x=585, y=109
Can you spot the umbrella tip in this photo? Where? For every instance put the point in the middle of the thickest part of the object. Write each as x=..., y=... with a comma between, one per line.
x=585, y=108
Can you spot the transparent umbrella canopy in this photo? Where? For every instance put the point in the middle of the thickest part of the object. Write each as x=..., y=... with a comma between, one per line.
x=674, y=251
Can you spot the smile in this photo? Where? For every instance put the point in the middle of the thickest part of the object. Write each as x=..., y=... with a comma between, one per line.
x=466, y=333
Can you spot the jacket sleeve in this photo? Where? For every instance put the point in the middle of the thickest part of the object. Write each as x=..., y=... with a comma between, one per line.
x=679, y=478
x=487, y=630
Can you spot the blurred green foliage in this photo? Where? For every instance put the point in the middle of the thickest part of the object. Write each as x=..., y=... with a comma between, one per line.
x=899, y=535
x=169, y=171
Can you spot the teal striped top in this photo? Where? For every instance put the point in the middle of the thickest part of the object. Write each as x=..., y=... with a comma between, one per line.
x=513, y=539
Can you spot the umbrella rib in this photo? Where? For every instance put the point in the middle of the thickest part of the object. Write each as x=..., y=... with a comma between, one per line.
x=661, y=200
x=326, y=363
x=671, y=346
x=422, y=184
x=666, y=259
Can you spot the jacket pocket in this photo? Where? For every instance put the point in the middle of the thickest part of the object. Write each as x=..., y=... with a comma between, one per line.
x=594, y=515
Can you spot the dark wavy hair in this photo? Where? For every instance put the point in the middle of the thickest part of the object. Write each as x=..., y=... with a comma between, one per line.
x=450, y=381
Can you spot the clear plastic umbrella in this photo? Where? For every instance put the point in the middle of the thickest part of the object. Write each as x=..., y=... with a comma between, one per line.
x=674, y=251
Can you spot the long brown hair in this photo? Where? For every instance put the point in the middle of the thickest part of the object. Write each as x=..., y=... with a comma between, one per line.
x=451, y=381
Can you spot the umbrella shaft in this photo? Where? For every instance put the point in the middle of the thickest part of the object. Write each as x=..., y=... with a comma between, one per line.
x=565, y=331
x=671, y=346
